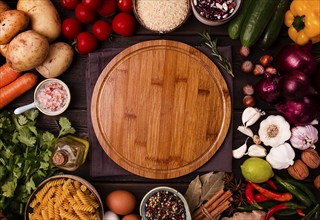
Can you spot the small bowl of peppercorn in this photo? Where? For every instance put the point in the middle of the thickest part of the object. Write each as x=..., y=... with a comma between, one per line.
x=214, y=12
x=164, y=202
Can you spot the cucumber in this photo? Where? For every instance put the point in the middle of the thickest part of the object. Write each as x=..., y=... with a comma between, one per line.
x=256, y=21
x=273, y=29
x=234, y=26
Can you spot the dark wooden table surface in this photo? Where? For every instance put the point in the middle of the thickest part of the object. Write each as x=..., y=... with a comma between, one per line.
x=77, y=112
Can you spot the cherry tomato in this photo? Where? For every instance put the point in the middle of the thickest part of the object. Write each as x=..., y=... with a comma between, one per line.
x=86, y=43
x=107, y=8
x=92, y=4
x=101, y=30
x=124, y=24
x=125, y=5
x=71, y=27
x=69, y=4
x=85, y=15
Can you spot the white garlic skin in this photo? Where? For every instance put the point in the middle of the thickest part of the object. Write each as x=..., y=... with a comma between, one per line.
x=246, y=131
x=251, y=115
x=281, y=157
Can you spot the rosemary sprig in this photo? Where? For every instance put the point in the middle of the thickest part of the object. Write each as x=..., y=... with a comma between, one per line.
x=212, y=44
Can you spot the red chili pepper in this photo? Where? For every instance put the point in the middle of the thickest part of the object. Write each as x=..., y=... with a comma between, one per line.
x=300, y=212
x=250, y=195
x=282, y=197
x=272, y=184
x=281, y=206
x=259, y=197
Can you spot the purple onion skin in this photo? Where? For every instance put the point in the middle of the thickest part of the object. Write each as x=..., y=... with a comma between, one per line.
x=268, y=88
x=301, y=112
x=295, y=85
x=295, y=57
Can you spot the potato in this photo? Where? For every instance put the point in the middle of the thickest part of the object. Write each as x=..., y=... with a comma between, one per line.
x=27, y=50
x=4, y=7
x=58, y=60
x=44, y=17
x=3, y=49
x=11, y=23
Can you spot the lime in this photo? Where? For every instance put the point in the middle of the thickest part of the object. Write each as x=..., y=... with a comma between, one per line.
x=256, y=170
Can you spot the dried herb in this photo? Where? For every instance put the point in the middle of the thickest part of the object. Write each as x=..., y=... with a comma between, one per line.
x=212, y=44
x=202, y=188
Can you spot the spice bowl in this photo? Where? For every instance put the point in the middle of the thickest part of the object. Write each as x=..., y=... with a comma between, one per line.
x=69, y=195
x=215, y=12
x=161, y=16
x=51, y=97
x=164, y=199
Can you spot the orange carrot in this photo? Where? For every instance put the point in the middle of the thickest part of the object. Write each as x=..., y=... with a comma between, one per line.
x=17, y=88
x=7, y=75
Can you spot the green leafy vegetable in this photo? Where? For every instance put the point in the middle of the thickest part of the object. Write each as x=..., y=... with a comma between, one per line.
x=25, y=153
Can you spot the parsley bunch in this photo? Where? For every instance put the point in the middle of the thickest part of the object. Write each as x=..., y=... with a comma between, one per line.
x=25, y=153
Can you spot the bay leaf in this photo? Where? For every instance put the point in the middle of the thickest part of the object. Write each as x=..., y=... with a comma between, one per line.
x=211, y=184
x=193, y=194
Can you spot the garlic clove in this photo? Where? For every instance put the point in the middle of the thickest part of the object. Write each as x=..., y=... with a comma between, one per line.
x=256, y=150
x=245, y=130
x=315, y=122
x=240, y=151
x=251, y=115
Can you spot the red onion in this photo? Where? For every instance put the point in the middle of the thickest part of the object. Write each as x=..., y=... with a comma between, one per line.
x=295, y=57
x=298, y=112
x=268, y=88
x=295, y=85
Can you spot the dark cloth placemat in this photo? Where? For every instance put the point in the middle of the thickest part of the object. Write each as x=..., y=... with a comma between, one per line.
x=101, y=165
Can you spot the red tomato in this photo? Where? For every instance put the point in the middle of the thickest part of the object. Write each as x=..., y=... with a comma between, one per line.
x=85, y=15
x=107, y=8
x=101, y=30
x=92, y=4
x=71, y=27
x=86, y=43
x=124, y=24
x=125, y=5
x=69, y=4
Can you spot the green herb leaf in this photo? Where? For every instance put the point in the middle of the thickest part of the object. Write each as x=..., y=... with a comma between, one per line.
x=26, y=137
x=8, y=188
x=65, y=127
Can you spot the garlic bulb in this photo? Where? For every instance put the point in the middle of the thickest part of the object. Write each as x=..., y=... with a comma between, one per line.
x=256, y=150
x=304, y=137
x=281, y=157
x=274, y=130
x=251, y=115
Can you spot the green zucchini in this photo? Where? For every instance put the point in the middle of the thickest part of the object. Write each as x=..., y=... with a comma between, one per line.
x=256, y=21
x=234, y=26
x=273, y=29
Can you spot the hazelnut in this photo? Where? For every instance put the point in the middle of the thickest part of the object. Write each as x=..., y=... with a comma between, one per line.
x=298, y=170
x=256, y=139
x=249, y=101
x=271, y=70
x=247, y=66
x=311, y=158
x=258, y=70
x=316, y=182
x=248, y=89
x=266, y=60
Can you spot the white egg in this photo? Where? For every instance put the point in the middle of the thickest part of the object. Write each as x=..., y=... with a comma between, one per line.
x=109, y=215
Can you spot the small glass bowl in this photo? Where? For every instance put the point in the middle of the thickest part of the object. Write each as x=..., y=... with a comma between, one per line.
x=211, y=22
x=158, y=189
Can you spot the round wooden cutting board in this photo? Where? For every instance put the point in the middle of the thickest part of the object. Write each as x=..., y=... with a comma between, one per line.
x=161, y=109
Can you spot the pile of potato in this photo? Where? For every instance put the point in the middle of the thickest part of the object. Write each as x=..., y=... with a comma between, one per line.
x=28, y=35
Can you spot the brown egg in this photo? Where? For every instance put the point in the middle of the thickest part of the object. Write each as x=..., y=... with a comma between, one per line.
x=131, y=217
x=121, y=202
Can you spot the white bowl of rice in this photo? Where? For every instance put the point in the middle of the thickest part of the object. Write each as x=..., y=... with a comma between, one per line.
x=161, y=16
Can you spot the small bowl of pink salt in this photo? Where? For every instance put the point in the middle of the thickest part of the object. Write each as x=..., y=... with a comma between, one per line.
x=51, y=97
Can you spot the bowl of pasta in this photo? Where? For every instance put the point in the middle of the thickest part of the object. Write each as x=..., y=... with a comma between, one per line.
x=64, y=197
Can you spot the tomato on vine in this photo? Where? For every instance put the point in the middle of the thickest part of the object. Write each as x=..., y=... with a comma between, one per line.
x=70, y=28
x=107, y=8
x=124, y=24
x=92, y=4
x=125, y=5
x=84, y=14
x=101, y=30
x=69, y=4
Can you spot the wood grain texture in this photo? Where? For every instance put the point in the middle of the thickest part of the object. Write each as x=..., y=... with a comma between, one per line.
x=161, y=109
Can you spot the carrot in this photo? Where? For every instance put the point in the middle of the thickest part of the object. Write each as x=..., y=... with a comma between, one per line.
x=17, y=88
x=7, y=75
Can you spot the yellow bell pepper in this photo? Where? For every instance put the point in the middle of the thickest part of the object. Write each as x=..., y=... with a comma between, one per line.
x=303, y=20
